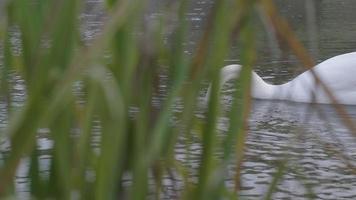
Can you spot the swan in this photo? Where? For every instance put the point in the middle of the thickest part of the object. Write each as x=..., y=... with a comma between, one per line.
x=337, y=73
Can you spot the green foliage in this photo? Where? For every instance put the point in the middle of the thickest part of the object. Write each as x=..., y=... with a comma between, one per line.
x=140, y=144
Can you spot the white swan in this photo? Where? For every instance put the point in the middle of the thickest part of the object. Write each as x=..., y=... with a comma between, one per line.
x=337, y=73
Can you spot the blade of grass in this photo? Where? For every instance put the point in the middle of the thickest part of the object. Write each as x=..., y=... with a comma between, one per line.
x=112, y=114
x=219, y=48
x=277, y=177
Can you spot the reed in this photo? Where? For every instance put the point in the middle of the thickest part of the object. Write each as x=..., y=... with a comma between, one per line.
x=120, y=77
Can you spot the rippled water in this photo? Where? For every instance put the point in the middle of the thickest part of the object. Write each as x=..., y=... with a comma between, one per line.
x=310, y=137
x=307, y=136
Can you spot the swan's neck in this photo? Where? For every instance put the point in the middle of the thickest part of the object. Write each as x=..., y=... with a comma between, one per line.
x=262, y=90
x=259, y=88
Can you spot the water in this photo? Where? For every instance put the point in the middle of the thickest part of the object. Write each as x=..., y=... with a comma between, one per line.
x=305, y=135
x=310, y=137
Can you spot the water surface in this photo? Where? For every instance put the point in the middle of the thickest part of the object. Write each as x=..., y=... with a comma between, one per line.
x=311, y=138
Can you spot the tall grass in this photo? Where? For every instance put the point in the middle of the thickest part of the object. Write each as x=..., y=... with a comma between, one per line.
x=118, y=72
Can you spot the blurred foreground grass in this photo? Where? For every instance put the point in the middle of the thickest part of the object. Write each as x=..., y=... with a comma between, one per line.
x=119, y=71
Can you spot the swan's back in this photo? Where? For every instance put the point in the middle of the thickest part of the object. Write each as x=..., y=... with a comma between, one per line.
x=337, y=73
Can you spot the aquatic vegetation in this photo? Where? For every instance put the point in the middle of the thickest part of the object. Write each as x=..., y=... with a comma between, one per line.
x=107, y=105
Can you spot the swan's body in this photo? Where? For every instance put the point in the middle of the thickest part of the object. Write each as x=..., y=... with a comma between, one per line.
x=337, y=73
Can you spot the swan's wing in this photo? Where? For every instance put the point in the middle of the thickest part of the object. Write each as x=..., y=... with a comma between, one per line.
x=337, y=73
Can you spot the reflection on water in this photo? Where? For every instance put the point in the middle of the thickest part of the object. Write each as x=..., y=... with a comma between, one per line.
x=310, y=137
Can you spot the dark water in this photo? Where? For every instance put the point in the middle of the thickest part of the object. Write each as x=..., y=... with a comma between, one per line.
x=310, y=137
